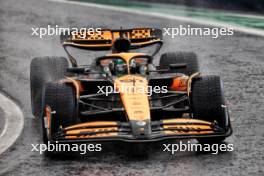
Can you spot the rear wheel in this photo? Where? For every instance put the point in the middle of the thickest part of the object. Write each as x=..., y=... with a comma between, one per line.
x=42, y=71
x=189, y=58
x=62, y=100
x=207, y=100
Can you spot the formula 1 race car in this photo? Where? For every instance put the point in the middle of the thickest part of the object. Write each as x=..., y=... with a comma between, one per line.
x=123, y=96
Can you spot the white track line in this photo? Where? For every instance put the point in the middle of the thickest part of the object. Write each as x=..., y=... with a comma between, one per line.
x=243, y=29
x=14, y=122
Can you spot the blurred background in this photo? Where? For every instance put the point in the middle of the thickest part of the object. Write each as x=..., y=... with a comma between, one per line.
x=251, y=6
x=246, y=13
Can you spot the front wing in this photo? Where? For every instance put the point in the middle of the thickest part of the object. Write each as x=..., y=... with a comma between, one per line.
x=178, y=128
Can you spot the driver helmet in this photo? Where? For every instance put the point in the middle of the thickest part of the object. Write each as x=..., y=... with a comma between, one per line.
x=120, y=66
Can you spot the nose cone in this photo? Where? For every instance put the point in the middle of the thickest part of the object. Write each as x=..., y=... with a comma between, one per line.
x=133, y=92
x=141, y=129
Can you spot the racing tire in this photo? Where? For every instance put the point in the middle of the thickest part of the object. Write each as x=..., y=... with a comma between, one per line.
x=61, y=98
x=207, y=100
x=42, y=71
x=190, y=58
x=62, y=101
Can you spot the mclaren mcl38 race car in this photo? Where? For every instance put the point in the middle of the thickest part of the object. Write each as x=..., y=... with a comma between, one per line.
x=75, y=104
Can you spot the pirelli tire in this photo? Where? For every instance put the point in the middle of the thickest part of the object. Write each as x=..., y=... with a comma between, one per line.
x=189, y=58
x=61, y=98
x=42, y=71
x=208, y=103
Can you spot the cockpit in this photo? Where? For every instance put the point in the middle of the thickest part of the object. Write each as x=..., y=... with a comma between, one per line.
x=118, y=66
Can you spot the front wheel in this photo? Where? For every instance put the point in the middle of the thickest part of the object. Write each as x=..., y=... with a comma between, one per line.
x=208, y=103
x=61, y=99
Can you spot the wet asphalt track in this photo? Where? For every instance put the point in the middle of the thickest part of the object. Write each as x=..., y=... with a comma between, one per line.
x=238, y=59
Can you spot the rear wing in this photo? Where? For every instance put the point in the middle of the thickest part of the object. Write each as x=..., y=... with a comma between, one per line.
x=104, y=39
